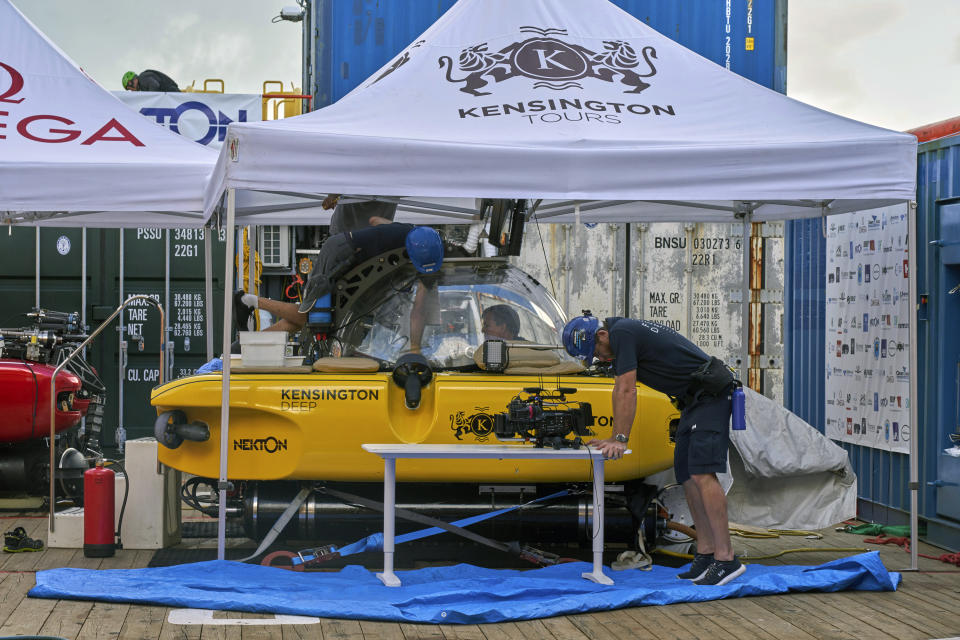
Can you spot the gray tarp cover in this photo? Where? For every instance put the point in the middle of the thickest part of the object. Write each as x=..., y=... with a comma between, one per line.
x=785, y=473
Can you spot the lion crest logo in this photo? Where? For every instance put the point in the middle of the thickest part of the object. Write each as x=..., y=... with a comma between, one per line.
x=480, y=424
x=551, y=63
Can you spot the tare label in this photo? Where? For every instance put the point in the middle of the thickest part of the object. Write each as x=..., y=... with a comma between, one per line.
x=137, y=313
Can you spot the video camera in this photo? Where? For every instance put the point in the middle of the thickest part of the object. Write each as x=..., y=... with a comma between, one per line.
x=545, y=418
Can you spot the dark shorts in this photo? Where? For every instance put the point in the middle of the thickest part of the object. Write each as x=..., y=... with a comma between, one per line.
x=703, y=438
x=336, y=256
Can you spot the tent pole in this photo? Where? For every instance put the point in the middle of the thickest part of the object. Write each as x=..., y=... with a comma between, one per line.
x=223, y=485
x=122, y=348
x=914, y=392
x=36, y=270
x=167, y=333
x=83, y=301
x=208, y=286
x=252, y=271
x=83, y=287
x=745, y=302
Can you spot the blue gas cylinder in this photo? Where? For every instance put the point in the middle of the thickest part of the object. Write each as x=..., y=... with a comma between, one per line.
x=739, y=410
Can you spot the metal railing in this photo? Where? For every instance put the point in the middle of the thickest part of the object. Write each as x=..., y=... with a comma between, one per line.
x=53, y=387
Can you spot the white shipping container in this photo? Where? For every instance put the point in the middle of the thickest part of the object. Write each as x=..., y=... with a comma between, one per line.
x=688, y=276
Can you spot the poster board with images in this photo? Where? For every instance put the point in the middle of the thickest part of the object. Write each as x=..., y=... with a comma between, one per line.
x=867, y=329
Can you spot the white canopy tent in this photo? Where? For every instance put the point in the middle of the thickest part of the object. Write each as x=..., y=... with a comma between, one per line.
x=571, y=101
x=71, y=154
x=579, y=104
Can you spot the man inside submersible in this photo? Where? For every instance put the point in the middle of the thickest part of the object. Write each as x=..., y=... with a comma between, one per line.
x=662, y=359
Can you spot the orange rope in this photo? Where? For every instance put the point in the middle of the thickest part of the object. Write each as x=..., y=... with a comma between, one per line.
x=949, y=558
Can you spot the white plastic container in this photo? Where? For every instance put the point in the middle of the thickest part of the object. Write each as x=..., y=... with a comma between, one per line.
x=262, y=348
x=292, y=361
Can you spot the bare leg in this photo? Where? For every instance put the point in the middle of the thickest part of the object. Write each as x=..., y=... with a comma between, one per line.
x=289, y=313
x=713, y=513
x=283, y=325
x=705, y=543
x=422, y=301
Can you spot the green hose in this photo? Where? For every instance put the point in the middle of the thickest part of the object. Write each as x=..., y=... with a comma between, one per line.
x=875, y=529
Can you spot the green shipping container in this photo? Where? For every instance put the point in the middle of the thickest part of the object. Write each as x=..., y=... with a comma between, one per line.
x=138, y=264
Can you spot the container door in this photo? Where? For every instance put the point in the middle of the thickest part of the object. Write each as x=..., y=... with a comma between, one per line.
x=145, y=255
x=948, y=467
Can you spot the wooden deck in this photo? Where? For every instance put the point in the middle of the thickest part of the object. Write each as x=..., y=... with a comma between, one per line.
x=925, y=606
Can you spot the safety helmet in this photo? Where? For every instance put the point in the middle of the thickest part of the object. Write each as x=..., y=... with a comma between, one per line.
x=579, y=337
x=425, y=249
x=127, y=77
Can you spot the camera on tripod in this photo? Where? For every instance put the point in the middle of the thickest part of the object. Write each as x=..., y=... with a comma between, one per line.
x=546, y=419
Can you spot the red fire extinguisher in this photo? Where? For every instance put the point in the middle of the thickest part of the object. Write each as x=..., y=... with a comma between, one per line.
x=98, y=510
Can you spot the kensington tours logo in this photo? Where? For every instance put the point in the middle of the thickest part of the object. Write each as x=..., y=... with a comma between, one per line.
x=553, y=64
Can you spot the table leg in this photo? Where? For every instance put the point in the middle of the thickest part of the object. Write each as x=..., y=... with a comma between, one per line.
x=597, y=574
x=388, y=577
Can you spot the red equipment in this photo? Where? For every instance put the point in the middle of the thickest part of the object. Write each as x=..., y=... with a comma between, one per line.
x=98, y=512
x=25, y=399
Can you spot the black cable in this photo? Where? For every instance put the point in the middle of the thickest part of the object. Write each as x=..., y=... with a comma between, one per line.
x=36, y=399
x=546, y=263
x=123, y=505
x=188, y=494
x=596, y=496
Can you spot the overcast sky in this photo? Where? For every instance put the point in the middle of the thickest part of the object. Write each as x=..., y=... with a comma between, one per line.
x=893, y=63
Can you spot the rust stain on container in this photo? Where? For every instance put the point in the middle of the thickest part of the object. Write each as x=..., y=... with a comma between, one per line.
x=756, y=330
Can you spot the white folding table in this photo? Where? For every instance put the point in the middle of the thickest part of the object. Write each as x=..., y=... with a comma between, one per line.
x=390, y=453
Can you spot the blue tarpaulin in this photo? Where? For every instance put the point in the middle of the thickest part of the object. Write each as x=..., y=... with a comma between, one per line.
x=457, y=594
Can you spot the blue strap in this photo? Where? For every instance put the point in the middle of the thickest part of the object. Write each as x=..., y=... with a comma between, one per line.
x=374, y=542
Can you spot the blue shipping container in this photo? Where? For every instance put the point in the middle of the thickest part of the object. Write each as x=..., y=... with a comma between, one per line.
x=884, y=494
x=354, y=38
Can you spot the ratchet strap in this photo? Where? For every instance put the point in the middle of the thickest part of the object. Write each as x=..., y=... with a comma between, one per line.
x=375, y=542
x=281, y=522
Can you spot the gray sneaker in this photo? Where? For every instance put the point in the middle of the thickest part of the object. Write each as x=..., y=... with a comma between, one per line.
x=698, y=568
x=720, y=573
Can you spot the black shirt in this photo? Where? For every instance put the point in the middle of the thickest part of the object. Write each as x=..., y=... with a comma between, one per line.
x=662, y=358
x=152, y=80
x=372, y=241
x=355, y=216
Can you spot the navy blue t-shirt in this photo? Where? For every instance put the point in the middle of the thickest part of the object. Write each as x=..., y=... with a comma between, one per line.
x=663, y=358
x=372, y=241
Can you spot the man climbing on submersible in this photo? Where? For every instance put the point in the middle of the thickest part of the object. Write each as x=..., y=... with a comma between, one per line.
x=701, y=386
x=341, y=252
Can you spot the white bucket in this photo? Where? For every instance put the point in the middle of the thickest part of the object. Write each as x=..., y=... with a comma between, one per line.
x=262, y=348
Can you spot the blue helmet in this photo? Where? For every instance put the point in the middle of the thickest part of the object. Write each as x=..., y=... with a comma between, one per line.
x=579, y=337
x=425, y=249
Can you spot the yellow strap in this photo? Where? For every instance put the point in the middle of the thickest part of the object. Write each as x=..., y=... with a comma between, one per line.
x=746, y=531
x=242, y=264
